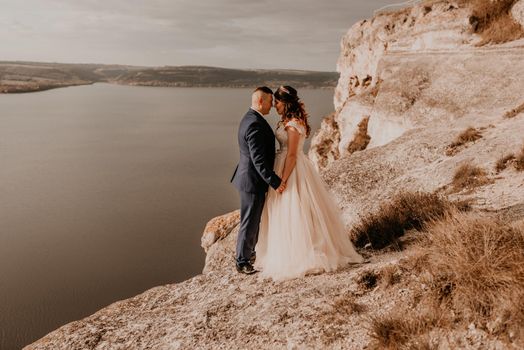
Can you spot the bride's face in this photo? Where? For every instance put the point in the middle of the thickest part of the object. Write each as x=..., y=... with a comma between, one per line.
x=279, y=106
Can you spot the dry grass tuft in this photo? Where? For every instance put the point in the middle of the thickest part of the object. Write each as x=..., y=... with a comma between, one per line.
x=389, y=276
x=516, y=160
x=474, y=269
x=361, y=138
x=331, y=334
x=416, y=262
x=368, y=279
x=503, y=162
x=469, y=135
x=477, y=268
x=400, y=329
x=469, y=176
x=407, y=211
x=493, y=21
x=347, y=305
x=463, y=204
x=514, y=112
x=336, y=316
x=519, y=160
x=389, y=332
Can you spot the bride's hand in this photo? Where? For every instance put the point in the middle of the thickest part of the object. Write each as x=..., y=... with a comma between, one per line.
x=282, y=187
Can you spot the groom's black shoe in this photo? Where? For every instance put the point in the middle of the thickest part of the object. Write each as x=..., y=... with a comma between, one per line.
x=247, y=269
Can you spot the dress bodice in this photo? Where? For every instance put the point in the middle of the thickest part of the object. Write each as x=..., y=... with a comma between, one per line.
x=281, y=135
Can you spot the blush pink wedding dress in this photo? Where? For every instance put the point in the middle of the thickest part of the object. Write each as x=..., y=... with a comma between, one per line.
x=301, y=230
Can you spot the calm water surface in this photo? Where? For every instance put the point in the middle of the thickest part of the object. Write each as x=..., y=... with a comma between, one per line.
x=105, y=191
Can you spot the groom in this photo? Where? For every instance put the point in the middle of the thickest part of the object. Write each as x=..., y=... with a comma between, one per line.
x=254, y=174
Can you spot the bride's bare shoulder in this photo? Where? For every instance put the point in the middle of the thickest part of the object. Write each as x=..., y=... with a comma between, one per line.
x=295, y=124
x=296, y=120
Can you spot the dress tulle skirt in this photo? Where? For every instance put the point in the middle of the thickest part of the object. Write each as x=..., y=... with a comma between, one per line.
x=301, y=230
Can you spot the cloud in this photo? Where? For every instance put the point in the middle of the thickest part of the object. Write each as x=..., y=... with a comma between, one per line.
x=301, y=34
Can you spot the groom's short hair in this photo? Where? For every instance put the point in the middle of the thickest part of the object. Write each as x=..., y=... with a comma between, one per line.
x=264, y=89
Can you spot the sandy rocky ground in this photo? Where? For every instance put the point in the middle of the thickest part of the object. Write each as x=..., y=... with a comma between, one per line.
x=418, y=80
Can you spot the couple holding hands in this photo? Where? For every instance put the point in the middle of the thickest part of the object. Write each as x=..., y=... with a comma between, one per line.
x=294, y=228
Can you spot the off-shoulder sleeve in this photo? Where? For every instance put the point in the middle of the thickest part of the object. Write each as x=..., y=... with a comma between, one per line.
x=299, y=127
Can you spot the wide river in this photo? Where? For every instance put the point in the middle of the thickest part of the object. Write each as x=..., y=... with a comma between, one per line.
x=105, y=191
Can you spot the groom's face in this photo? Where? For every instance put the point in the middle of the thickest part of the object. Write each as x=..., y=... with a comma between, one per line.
x=267, y=102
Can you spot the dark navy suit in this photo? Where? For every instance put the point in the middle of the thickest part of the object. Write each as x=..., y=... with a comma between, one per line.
x=252, y=178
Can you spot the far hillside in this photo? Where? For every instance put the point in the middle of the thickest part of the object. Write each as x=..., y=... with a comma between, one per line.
x=35, y=76
x=222, y=77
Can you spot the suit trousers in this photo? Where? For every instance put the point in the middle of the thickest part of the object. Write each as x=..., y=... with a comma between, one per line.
x=251, y=205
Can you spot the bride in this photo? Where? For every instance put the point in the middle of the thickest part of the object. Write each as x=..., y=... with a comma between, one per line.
x=301, y=230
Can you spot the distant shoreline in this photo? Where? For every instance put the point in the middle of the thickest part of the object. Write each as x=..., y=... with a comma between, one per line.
x=24, y=89
x=13, y=90
x=26, y=77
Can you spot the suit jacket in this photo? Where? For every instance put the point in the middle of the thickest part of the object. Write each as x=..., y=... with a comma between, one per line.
x=256, y=141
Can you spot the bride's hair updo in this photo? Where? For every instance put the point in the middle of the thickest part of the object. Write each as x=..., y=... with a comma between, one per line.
x=293, y=107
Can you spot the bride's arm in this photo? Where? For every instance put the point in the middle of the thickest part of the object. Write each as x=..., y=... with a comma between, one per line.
x=293, y=137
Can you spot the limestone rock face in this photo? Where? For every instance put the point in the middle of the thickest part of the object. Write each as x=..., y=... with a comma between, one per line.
x=324, y=151
x=439, y=28
x=517, y=12
x=415, y=68
x=221, y=255
x=418, y=80
x=219, y=228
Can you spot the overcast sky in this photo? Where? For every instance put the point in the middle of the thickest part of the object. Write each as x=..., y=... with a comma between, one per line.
x=295, y=34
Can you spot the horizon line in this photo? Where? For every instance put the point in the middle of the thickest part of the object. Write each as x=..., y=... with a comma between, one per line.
x=167, y=66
